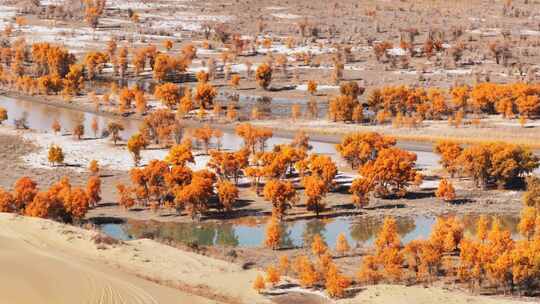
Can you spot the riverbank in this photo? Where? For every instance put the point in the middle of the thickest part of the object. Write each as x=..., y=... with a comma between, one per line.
x=422, y=138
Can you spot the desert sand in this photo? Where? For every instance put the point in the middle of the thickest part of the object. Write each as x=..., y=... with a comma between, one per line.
x=46, y=262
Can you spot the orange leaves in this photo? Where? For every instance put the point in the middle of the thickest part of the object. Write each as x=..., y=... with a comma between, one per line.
x=314, y=188
x=446, y=234
x=391, y=172
x=229, y=165
x=235, y=81
x=168, y=44
x=449, y=152
x=341, y=108
x=179, y=155
x=358, y=148
x=114, y=129
x=445, y=191
x=166, y=67
x=94, y=62
x=125, y=196
x=272, y=275
x=205, y=94
x=281, y=194
x=307, y=273
x=24, y=191
x=380, y=49
x=194, y=196
x=318, y=246
x=55, y=155
x=76, y=202
x=134, y=145
x=312, y=87
x=273, y=234
x=342, y=246
x=351, y=89
x=360, y=189
x=7, y=201
x=204, y=134
x=227, y=194
x=336, y=283
x=369, y=270
x=263, y=76
x=93, y=190
x=126, y=99
x=322, y=170
x=51, y=59
x=527, y=224
x=168, y=93
x=388, y=236
x=60, y=202
x=253, y=135
x=500, y=163
x=258, y=284
x=159, y=125
x=531, y=197
x=74, y=80
x=93, y=10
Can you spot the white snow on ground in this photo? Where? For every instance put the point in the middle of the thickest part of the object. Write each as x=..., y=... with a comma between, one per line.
x=286, y=16
x=303, y=87
x=530, y=33
x=489, y=32
x=185, y=20
x=79, y=153
x=6, y=14
x=7, y=11
x=429, y=184
x=437, y=72
x=71, y=38
x=275, y=8
x=283, y=49
x=396, y=51
x=134, y=4
x=235, y=68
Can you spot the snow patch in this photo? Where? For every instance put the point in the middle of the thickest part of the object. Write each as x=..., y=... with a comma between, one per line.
x=286, y=16
x=79, y=153
x=303, y=87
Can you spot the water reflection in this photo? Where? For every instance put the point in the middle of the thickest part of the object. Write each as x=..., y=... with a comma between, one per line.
x=41, y=116
x=358, y=231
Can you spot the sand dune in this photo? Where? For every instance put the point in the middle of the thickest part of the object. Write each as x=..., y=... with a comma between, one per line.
x=45, y=262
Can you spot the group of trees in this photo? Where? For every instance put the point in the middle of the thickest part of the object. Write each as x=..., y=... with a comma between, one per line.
x=490, y=259
x=62, y=201
x=383, y=168
x=322, y=272
x=41, y=68
x=498, y=163
x=269, y=171
x=409, y=106
x=169, y=183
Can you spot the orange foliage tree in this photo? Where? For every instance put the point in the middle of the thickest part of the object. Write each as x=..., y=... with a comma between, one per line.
x=445, y=191
x=273, y=234
x=358, y=148
x=227, y=194
x=281, y=194
x=168, y=93
x=263, y=75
